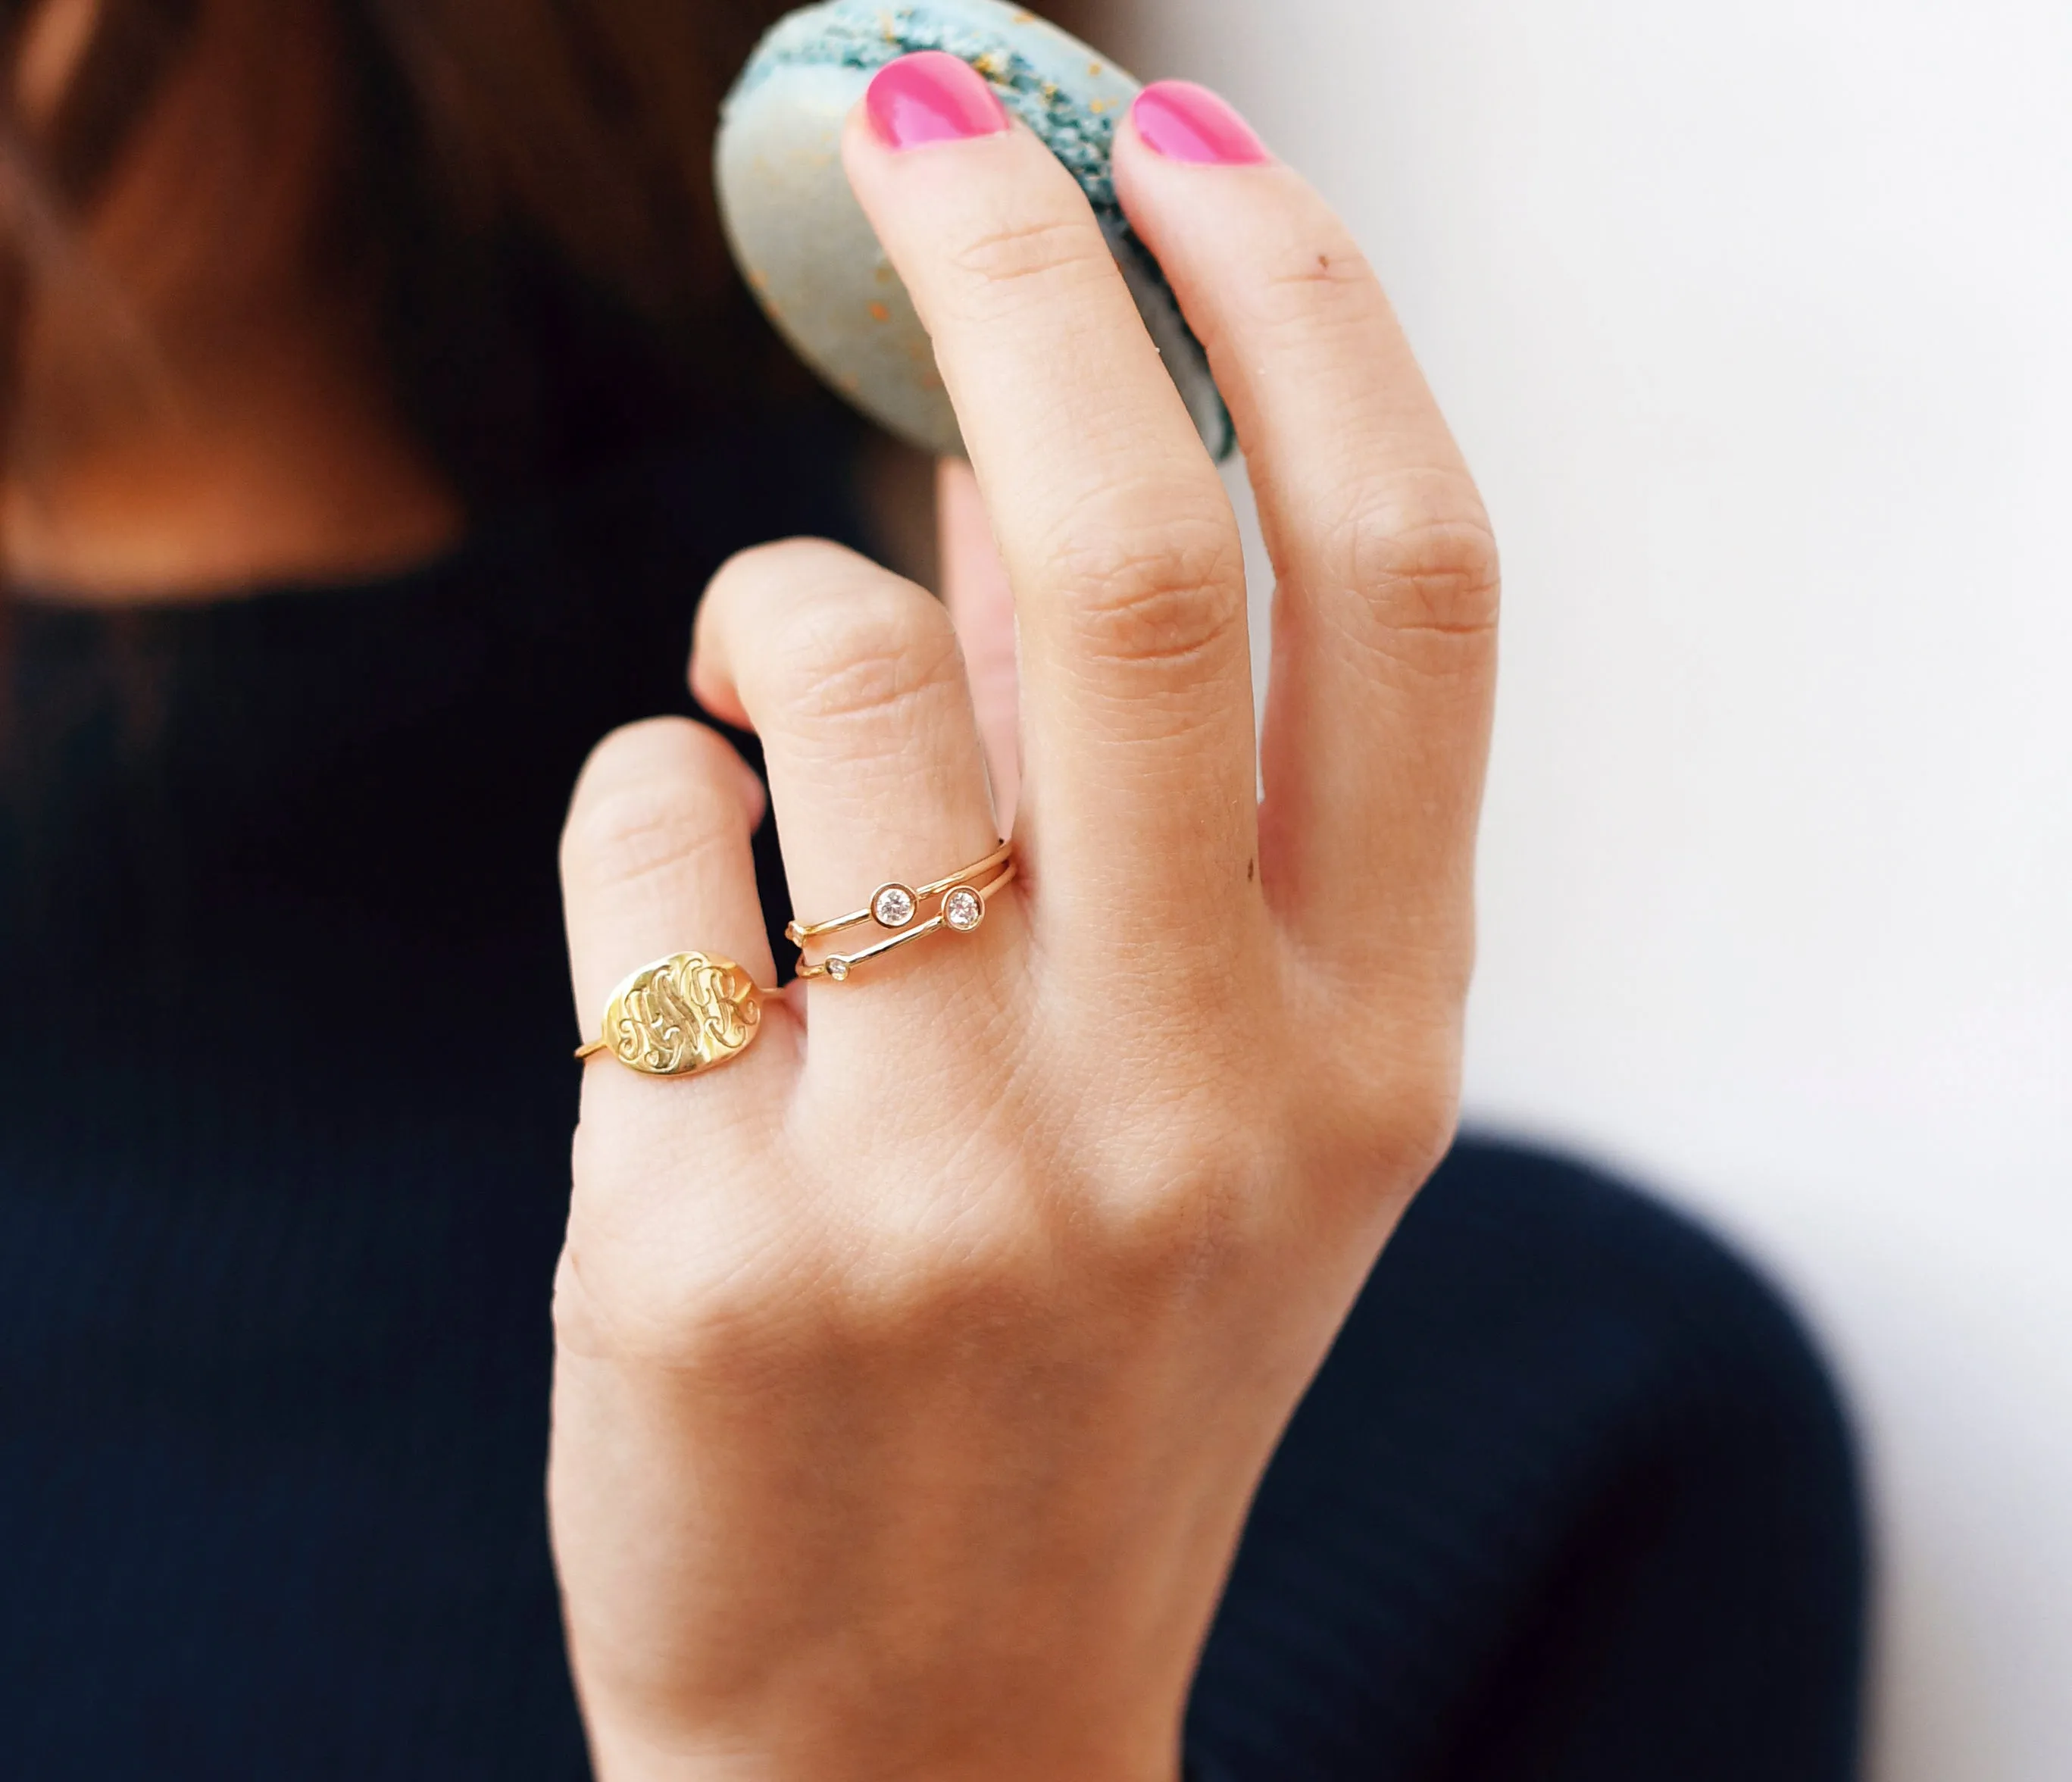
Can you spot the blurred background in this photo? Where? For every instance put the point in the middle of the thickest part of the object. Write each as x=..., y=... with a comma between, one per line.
x=1753, y=323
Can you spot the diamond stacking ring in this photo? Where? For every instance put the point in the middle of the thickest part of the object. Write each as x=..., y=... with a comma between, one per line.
x=896, y=907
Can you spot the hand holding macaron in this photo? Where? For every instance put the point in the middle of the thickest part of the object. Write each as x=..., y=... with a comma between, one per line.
x=916, y=1369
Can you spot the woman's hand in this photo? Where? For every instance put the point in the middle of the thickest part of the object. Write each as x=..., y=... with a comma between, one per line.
x=916, y=1371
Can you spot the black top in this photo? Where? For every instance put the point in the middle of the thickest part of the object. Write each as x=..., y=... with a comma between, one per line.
x=286, y=1098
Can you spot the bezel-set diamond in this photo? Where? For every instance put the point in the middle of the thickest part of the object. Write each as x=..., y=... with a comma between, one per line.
x=956, y=902
x=894, y=907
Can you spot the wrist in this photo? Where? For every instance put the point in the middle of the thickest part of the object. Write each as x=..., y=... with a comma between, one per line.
x=623, y=1750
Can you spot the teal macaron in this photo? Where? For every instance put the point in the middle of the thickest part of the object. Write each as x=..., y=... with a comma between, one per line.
x=811, y=256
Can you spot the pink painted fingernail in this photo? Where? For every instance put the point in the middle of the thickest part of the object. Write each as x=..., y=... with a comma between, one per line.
x=930, y=97
x=1185, y=122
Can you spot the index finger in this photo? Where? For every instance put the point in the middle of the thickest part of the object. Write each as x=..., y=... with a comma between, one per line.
x=1120, y=541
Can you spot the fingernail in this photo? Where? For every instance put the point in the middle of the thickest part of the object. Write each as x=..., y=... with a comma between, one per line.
x=1185, y=122
x=931, y=97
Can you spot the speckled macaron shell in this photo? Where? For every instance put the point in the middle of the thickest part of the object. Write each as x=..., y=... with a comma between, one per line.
x=805, y=246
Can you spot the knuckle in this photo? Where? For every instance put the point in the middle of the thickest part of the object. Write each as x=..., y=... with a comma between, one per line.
x=698, y=1324
x=1185, y=1194
x=864, y=653
x=627, y=825
x=1169, y=599
x=1039, y=249
x=653, y=746
x=1201, y=1216
x=748, y=570
x=1426, y=1113
x=1424, y=561
x=1413, y=1110
x=1382, y=1106
x=776, y=576
x=635, y=1284
x=936, y=1305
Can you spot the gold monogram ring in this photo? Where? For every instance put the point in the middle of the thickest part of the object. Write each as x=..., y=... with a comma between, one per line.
x=690, y=1013
x=961, y=908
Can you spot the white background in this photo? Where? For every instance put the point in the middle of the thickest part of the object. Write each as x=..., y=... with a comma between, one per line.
x=1756, y=322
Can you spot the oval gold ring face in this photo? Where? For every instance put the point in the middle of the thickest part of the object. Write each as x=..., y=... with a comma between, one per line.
x=682, y=1015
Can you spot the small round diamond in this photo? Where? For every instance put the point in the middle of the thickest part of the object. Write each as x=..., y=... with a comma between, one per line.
x=837, y=970
x=893, y=907
x=963, y=909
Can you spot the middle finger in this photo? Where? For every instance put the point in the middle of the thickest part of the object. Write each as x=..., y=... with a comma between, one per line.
x=1126, y=558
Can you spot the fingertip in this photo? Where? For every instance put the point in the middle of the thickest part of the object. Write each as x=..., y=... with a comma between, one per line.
x=1183, y=121
x=888, y=178
x=929, y=96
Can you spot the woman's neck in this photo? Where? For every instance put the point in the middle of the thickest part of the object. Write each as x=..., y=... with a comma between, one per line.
x=196, y=413
x=275, y=461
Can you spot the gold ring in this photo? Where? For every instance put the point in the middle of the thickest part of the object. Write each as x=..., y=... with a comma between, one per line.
x=688, y=1014
x=963, y=897
x=894, y=906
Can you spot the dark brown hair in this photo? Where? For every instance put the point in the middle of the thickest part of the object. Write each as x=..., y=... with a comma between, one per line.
x=525, y=185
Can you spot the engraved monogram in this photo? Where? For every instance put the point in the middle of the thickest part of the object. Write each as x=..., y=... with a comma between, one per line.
x=683, y=1015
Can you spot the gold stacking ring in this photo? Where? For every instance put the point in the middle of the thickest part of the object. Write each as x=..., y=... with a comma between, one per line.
x=963, y=898
x=690, y=1013
x=695, y=1012
x=895, y=906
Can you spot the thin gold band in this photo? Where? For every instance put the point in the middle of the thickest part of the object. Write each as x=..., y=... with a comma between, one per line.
x=799, y=933
x=839, y=965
